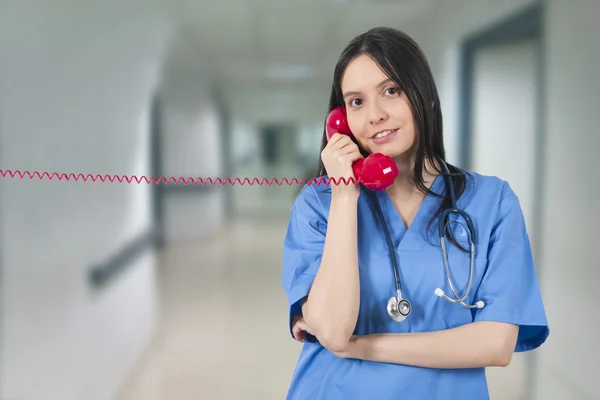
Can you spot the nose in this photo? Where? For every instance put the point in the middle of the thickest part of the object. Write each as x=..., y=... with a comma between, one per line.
x=376, y=114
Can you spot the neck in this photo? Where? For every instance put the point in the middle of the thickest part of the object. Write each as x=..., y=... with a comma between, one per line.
x=404, y=185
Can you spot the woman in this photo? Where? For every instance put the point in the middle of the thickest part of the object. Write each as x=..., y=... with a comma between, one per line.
x=336, y=270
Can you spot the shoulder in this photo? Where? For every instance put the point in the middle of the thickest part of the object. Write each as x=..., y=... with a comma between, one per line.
x=314, y=197
x=488, y=189
x=492, y=202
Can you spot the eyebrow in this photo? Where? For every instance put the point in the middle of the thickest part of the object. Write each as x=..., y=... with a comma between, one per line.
x=380, y=84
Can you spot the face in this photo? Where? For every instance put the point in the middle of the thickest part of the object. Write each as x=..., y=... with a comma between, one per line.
x=379, y=113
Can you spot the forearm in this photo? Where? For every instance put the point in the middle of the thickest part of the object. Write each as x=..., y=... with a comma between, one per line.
x=473, y=345
x=333, y=302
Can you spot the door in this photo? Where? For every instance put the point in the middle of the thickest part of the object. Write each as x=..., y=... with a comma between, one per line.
x=504, y=117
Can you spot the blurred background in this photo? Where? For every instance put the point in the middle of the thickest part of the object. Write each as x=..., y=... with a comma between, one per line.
x=143, y=291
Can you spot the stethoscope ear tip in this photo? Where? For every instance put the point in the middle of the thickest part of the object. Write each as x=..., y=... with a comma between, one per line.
x=439, y=292
x=480, y=304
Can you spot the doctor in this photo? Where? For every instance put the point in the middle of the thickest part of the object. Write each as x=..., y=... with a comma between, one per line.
x=337, y=271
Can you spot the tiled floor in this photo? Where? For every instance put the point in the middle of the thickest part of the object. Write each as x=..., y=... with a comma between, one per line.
x=223, y=333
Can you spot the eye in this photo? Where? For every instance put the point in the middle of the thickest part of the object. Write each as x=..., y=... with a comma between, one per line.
x=353, y=102
x=392, y=91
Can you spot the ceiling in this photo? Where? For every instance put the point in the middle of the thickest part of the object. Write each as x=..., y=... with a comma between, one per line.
x=274, y=46
x=276, y=57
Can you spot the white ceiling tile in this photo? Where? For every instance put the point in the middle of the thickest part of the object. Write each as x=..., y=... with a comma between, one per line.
x=239, y=40
x=221, y=29
x=292, y=26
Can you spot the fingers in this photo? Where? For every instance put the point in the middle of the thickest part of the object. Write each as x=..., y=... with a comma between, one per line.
x=354, y=155
x=343, y=147
x=299, y=334
x=348, y=157
x=300, y=329
x=337, y=137
x=338, y=158
x=304, y=326
x=339, y=141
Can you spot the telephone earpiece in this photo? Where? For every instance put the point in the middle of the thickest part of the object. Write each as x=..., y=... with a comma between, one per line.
x=377, y=171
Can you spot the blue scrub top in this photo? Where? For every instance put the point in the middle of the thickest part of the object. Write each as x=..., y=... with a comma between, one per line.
x=504, y=278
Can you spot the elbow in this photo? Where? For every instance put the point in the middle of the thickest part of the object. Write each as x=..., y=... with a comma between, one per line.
x=332, y=338
x=329, y=335
x=336, y=343
x=502, y=359
x=500, y=343
x=502, y=355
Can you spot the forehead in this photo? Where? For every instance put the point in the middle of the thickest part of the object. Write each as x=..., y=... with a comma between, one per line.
x=362, y=74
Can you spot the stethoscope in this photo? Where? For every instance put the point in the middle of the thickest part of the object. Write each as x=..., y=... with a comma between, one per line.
x=399, y=308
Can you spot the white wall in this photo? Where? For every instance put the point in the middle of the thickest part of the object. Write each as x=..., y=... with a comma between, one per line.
x=192, y=147
x=569, y=265
x=76, y=87
x=309, y=139
x=244, y=142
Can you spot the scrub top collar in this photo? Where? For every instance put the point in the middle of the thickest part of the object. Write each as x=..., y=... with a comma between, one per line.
x=413, y=238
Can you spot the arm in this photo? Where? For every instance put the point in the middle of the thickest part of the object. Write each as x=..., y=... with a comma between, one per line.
x=331, y=309
x=513, y=319
x=478, y=344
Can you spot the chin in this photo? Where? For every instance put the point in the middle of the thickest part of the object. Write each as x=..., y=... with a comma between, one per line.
x=395, y=151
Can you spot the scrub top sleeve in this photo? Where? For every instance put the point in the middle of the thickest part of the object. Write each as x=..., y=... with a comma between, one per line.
x=302, y=249
x=510, y=287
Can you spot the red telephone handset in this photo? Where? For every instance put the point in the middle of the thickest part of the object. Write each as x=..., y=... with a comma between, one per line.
x=377, y=171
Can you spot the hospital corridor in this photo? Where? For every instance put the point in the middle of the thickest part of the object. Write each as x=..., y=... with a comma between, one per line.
x=151, y=153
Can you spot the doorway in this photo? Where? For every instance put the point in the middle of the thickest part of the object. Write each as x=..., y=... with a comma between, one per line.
x=504, y=117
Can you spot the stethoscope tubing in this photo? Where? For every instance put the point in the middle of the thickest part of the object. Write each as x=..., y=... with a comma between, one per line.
x=442, y=226
x=390, y=244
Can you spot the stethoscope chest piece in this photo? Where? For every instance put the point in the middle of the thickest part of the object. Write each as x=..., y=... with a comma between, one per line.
x=398, y=308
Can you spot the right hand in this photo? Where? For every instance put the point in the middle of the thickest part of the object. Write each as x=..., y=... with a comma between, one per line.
x=338, y=157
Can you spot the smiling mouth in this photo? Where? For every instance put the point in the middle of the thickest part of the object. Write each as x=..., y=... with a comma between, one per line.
x=383, y=134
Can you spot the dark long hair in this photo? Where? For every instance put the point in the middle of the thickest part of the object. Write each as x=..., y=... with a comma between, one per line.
x=403, y=61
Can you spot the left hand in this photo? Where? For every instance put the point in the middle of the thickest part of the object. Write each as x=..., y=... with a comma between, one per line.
x=300, y=328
